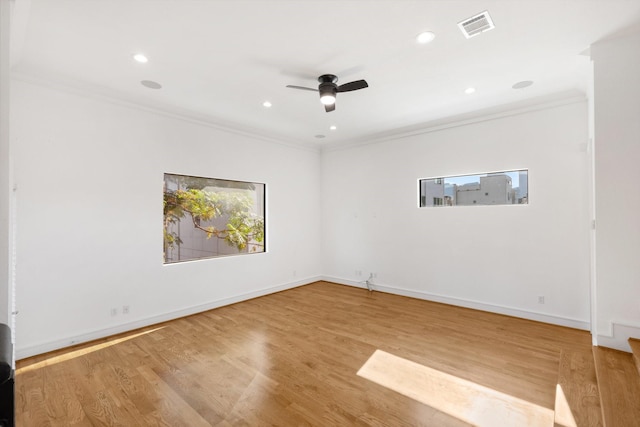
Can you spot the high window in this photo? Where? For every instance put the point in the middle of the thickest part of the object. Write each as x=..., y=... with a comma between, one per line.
x=495, y=188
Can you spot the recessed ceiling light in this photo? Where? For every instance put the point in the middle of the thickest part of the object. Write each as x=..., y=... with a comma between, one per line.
x=151, y=84
x=333, y=127
x=470, y=90
x=140, y=58
x=267, y=104
x=522, y=84
x=320, y=136
x=425, y=37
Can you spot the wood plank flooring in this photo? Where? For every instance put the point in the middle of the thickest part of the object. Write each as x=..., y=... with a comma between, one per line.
x=634, y=343
x=619, y=385
x=290, y=359
x=577, y=395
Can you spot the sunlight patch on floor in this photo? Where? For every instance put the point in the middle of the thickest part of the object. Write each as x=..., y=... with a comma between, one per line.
x=80, y=352
x=465, y=400
x=563, y=415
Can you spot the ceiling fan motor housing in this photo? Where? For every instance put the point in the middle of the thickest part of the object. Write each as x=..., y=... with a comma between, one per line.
x=328, y=89
x=328, y=78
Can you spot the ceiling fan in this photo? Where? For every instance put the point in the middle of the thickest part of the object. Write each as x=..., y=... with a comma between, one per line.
x=329, y=89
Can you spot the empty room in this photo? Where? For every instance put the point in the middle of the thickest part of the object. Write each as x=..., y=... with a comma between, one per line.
x=319, y=213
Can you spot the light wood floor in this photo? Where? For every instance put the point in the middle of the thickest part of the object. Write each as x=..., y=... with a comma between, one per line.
x=291, y=358
x=619, y=386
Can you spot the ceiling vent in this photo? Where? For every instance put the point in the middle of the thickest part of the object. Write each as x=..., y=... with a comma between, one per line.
x=476, y=24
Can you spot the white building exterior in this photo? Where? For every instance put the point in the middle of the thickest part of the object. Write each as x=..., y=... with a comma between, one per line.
x=492, y=190
x=432, y=192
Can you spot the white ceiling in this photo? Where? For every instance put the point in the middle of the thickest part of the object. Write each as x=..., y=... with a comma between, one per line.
x=219, y=60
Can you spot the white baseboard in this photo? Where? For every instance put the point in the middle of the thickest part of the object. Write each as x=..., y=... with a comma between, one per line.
x=45, y=347
x=493, y=308
x=618, y=336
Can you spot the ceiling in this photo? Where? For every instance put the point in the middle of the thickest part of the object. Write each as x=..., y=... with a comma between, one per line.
x=219, y=60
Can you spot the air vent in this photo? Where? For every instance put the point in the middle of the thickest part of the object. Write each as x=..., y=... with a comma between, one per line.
x=476, y=24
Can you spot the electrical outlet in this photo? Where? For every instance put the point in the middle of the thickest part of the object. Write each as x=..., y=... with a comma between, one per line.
x=114, y=311
x=374, y=275
x=541, y=299
x=358, y=272
x=125, y=309
x=295, y=273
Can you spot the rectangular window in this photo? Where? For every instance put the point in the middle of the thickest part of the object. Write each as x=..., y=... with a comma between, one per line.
x=209, y=217
x=495, y=188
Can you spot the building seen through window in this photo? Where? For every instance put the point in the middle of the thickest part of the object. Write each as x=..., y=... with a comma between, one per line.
x=496, y=188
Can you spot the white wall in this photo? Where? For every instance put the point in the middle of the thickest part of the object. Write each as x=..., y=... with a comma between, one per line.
x=5, y=177
x=498, y=258
x=89, y=216
x=617, y=177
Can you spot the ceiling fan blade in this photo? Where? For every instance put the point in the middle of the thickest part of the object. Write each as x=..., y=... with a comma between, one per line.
x=347, y=87
x=302, y=88
x=329, y=108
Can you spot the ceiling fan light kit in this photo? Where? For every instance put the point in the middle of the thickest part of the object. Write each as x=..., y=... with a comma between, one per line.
x=327, y=98
x=328, y=89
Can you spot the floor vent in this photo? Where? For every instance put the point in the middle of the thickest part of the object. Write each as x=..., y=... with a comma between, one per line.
x=476, y=24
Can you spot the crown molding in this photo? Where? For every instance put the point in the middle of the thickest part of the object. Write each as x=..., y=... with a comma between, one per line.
x=107, y=95
x=494, y=113
x=479, y=116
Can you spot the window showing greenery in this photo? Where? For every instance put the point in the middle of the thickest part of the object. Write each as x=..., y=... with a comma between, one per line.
x=496, y=188
x=208, y=217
